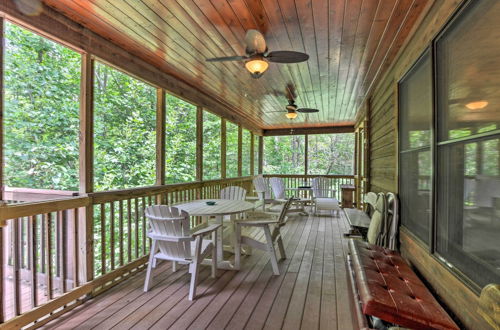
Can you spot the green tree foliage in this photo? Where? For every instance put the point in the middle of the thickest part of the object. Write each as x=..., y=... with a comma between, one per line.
x=331, y=154
x=211, y=146
x=284, y=154
x=180, y=131
x=245, y=153
x=42, y=87
x=231, y=150
x=124, y=128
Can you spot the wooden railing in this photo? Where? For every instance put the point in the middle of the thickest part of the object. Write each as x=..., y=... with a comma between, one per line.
x=296, y=180
x=46, y=255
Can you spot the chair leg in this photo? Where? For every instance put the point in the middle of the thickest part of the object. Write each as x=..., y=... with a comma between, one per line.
x=281, y=247
x=214, y=254
x=174, y=266
x=149, y=273
x=194, y=280
x=271, y=250
x=237, y=247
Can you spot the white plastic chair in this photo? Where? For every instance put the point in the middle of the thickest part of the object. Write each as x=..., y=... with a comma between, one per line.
x=324, y=196
x=278, y=187
x=262, y=189
x=271, y=226
x=233, y=193
x=172, y=240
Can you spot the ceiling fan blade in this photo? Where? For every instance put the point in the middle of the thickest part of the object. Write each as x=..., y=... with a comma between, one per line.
x=285, y=56
x=255, y=42
x=228, y=58
x=29, y=7
x=290, y=92
x=307, y=110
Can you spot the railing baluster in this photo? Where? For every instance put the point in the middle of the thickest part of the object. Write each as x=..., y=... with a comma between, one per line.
x=48, y=254
x=75, y=249
x=33, y=260
x=64, y=254
x=144, y=250
x=136, y=216
x=120, y=231
x=112, y=235
x=15, y=259
x=103, y=238
x=129, y=230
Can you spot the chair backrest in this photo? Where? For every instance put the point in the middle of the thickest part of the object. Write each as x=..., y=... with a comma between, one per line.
x=391, y=240
x=278, y=187
x=282, y=217
x=370, y=200
x=321, y=188
x=261, y=186
x=169, y=226
x=233, y=193
x=374, y=230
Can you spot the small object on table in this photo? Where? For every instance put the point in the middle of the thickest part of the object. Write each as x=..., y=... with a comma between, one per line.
x=210, y=202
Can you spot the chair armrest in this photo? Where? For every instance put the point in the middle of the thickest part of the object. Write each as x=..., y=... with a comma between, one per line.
x=261, y=214
x=206, y=230
x=255, y=222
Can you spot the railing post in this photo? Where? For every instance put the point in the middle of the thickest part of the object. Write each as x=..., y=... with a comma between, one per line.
x=223, y=148
x=2, y=43
x=199, y=144
x=240, y=150
x=252, y=154
x=261, y=154
x=161, y=110
x=306, y=154
x=86, y=174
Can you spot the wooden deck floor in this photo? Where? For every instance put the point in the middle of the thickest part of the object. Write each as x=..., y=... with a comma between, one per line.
x=310, y=293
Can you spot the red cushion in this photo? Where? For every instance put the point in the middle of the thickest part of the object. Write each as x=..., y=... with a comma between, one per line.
x=390, y=290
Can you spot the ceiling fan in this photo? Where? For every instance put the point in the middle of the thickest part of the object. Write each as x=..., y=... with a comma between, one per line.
x=292, y=108
x=29, y=7
x=257, y=56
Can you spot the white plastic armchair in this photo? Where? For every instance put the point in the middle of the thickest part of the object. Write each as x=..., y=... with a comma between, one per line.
x=172, y=240
x=270, y=224
x=262, y=189
x=233, y=193
x=278, y=187
x=324, y=196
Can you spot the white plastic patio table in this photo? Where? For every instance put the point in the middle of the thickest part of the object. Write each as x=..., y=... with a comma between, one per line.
x=221, y=208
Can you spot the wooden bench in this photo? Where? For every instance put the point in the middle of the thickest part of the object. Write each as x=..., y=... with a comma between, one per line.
x=384, y=286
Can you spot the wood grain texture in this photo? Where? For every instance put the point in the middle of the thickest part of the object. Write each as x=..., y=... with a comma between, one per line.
x=350, y=44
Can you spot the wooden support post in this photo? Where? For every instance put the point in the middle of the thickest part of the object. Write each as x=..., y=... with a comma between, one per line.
x=161, y=109
x=2, y=261
x=240, y=150
x=306, y=154
x=199, y=144
x=223, y=148
x=86, y=218
x=261, y=154
x=252, y=154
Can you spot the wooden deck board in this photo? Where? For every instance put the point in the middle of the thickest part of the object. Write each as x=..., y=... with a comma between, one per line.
x=310, y=293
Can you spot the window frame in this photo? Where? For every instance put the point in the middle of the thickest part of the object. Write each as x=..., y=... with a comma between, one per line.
x=435, y=146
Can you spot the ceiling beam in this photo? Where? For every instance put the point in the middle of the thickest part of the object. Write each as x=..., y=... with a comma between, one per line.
x=309, y=130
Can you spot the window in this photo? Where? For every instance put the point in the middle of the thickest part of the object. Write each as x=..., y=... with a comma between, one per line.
x=180, y=141
x=42, y=114
x=284, y=154
x=124, y=130
x=415, y=122
x=211, y=146
x=331, y=154
x=231, y=150
x=245, y=153
x=468, y=146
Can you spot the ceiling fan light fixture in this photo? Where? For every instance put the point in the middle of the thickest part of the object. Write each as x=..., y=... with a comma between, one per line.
x=256, y=67
x=291, y=114
x=476, y=105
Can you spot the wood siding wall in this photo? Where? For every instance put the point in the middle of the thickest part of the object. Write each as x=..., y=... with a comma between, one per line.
x=383, y=155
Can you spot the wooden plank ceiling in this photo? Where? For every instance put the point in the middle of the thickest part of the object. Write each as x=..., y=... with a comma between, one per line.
x=349, y=42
